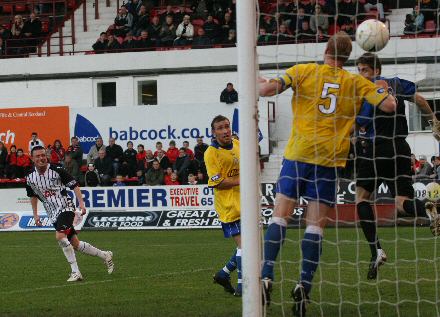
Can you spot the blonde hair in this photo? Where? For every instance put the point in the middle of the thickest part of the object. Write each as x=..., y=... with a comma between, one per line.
x=339, y=47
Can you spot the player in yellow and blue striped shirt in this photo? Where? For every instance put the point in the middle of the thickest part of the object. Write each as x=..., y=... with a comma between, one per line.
x=325, y=102
x=222, y=159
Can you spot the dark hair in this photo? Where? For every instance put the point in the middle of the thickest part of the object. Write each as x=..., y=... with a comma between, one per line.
x=129, y=143
x=371, y=60
x=13, y=146
x=185, y=142
x=158, y=142
x=173, y=142
x=218, y=119
x=20, y=150
x=105, y=33
x=229, y=84
x=59, y=141
x=34, y=133
x=182, y=149
x=35, y=148
x=74, y=138
x=141, y=145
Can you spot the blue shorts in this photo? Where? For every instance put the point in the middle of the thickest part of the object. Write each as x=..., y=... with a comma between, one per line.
x=231, y=229
x=312, y=182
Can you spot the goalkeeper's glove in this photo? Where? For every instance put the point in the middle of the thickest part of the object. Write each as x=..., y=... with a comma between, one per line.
x=435, y=124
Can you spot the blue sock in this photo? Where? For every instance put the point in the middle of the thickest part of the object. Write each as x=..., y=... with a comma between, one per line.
x=273, y=240
x=231, y=266
x=311, y=247
x=238, y=258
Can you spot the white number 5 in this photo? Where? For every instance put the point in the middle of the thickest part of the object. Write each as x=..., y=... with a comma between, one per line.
x=325, y=94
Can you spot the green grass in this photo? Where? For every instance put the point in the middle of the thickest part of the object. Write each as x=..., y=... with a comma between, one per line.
x=168, y=273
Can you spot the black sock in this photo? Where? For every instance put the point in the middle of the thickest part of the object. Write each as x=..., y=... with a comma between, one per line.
x=368, y=224
x=414, y=207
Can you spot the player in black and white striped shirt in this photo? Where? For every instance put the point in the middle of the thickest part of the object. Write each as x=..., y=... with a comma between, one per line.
x=49, y=184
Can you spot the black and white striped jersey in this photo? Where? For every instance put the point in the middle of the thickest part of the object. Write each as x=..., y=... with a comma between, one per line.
x=51, y=189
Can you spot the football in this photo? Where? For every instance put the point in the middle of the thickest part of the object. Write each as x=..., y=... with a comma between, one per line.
x=372, y=35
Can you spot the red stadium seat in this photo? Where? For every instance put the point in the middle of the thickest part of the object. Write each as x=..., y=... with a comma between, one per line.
x=198, y=22
x=332, y=29
x=7, y=8
x=19, y=8
x=430, y=26
x=71, y=4
x=45, y=26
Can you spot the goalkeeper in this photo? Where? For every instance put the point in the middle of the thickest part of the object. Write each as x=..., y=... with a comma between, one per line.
x=388, y=158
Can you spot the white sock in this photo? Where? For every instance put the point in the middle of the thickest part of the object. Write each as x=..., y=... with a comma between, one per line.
x=89, y=249
x=69, y=253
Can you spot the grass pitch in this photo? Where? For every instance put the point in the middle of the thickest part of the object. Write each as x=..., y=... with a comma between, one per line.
x=169, y=273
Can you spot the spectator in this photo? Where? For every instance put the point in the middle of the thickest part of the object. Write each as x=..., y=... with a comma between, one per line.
x=425, y=169
x=182, y=165
x=200, y=9
x=115, y=153
x=149, y=159
x=192, y=179
x=134, y=7
x=57, y=153
x=119, y=181
x=168, y=12
x=173, y=179
x=5, y=34
x=154, y=175
x=184, y=32
x=144, y=42
x=100, y=45
x=75, y=150
x=104, y=167
x=154, y=30
x=201, y=40
x=231, y=40
x=275, y=21
x=123, y=22
x=283, y=35
x=92, y=177
x=162, y=159
x=188, y=151
x=178, y=16
x=140, y=157
x=227, y=24
x=31, y=31
x=34, y=141
x=17, y=27
x=429, y=9
x=11, y=166
x=306, y=33
x=168, y=32
x=167, y=176
x=142, y=22
x=129, y=163
x=436, y=168
x=129, y=43
x=3, y=159
x=229, y=94
x=93, y=153
x=159, y=147
x=23, y=164
x=414, y=23
x=415, y=164
x=349, y=29
x=376, y=4
x=72, y=167
x=347, y=12
x=112, y=44
x=172, y=152
x=319, y=22
x=263, y=37
x=211, y=29
x=199, y=151
x=201, y=178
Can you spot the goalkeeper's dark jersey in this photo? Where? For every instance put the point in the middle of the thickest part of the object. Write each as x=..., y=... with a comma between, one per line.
x=386, y=126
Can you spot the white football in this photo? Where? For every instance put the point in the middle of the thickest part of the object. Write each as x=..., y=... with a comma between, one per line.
x=372, y=35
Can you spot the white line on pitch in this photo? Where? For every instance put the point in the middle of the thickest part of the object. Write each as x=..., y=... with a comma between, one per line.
x=105, y=281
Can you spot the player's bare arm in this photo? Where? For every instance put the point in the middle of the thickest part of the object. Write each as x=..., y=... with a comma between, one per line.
x=424, y=107
x=34, y=203
x=270, y=87
x=229, y=182
x=78, y=195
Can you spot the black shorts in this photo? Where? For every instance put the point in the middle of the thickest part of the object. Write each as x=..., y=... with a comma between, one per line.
x=391, y=165
x=64, y=223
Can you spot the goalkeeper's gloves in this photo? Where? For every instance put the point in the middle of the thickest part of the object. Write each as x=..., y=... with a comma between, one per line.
x=435, y=125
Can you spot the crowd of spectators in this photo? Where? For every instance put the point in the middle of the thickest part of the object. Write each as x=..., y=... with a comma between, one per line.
x=111, y=164
x=208, y=23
